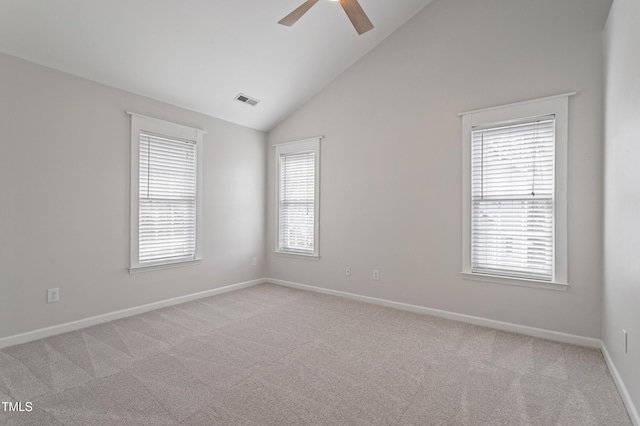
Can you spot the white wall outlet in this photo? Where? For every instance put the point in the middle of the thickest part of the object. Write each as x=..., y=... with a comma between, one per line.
x=53, y=295
x=347, y=271
x=376, y=275
x=626, y=346
x=254, y=261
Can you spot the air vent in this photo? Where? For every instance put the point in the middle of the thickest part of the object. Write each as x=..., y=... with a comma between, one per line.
x=246, y=99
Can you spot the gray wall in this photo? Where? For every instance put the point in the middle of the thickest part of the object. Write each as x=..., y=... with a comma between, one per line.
x=391, y=156
x=621, y=296
x=64, y=189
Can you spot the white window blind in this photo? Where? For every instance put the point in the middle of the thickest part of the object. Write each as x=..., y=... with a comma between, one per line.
x=512, y=199
x=167, y=199
x=297, y=202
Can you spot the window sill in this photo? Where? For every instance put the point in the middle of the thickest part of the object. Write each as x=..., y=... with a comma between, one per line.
x=521, y=282
x=296, y=255
x=158, y=266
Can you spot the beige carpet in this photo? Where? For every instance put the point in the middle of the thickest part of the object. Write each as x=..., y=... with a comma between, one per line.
x=270, y=355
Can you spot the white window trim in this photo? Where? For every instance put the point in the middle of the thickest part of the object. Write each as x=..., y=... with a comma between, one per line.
x=141, y=123
x=559, y=106
x=310, y=144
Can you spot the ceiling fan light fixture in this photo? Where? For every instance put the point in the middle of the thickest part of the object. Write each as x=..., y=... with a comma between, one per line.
x=352, y=8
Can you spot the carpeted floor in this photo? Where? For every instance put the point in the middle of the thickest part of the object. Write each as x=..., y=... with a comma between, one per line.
x=270, y=355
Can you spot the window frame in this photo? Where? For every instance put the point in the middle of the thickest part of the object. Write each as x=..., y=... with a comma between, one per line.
x=140, y=124
x=554, y=105
x=299, y=146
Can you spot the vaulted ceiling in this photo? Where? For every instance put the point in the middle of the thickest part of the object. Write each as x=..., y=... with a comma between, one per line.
x=199, y=54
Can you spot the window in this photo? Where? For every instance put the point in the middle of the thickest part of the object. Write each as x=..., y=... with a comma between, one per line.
x=165, y=190
x=298, y=183
x=514, y=187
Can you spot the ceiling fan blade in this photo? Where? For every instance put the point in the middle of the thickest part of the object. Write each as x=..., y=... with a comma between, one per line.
x=293, y=17
x=356, y=15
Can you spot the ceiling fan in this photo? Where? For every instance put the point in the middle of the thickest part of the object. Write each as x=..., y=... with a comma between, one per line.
x=354, y=11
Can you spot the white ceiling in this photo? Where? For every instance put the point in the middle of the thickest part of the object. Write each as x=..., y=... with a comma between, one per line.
x=199, y=54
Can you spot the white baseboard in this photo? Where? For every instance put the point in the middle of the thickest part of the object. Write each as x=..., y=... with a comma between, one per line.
x=499, y=325
x=99, y=319
x=622, y=389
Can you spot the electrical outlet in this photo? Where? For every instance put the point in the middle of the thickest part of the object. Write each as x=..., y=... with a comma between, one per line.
x=376, y=275
x=626, y=346
x=347, y=271
x=53, y=295
x=254, y=261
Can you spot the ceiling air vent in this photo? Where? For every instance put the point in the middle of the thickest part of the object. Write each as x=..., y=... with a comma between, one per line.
x=246, y=99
